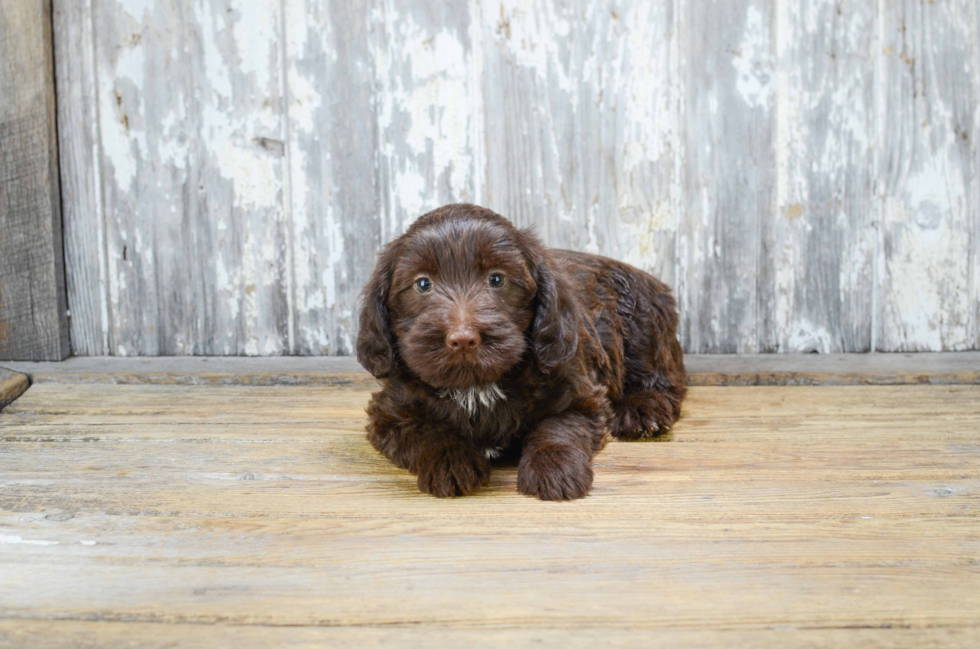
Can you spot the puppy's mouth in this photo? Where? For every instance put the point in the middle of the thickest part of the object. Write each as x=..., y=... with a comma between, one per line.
x=464, y=370
x=443, y=368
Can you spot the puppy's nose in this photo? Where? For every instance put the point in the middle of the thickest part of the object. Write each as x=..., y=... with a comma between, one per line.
x=463, y=339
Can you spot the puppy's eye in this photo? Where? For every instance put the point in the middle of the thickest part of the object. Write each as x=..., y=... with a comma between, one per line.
x=496, y=280
x=423, y=285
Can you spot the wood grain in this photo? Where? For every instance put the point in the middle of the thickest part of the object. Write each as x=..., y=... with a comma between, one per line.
x=927, y=172
x=822, y=233
x=581, y=123
x=722, y=286
x=33, y=311
x=80, y=157
x=192, y=141
x=99, y=635
x=260, y=515
x=429, y=108
x=335, y=207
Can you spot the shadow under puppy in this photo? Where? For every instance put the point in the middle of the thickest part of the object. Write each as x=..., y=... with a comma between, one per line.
x=484, y=340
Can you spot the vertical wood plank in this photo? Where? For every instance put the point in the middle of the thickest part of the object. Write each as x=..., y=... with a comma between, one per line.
x=927, y=172
x=822, y=235
x=33, y=311
x=728, y=177
x=975, y=145
x=581, y=125
x=335, y=206
x=190, y=109
x=430, y=111
x=80, y=159
x=639, y=102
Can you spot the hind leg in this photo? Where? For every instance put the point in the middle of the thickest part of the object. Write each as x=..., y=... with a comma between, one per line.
x=653, y=378
x=644, y=413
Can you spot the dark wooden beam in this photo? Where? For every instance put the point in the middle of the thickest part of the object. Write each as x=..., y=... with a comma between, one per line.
x=33, y=303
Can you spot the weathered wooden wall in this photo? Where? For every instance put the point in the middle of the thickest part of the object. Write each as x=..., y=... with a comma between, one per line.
x=33, y=311
x=803, y=172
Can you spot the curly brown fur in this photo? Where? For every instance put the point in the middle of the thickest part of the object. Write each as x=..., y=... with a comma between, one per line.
x=485, y=341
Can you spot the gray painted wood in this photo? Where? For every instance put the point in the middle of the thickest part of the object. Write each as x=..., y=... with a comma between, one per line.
x=581, y=124
x=975, y=234
x=767, y=159
x=33, y=313
x=929, y=89
x=821, y=234
x=975, y=261
x=728, y=176
x=429, y=108
x=335, y=209
x=79, y=151
x=192, y=136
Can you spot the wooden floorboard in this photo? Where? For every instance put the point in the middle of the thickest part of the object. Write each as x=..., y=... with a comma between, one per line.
x=192, y=516
x=99, y=635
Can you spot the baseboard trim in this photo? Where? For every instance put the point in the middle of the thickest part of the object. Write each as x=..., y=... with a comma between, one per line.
x=945, y=368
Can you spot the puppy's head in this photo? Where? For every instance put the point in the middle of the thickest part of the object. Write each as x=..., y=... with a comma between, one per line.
x=460, y=298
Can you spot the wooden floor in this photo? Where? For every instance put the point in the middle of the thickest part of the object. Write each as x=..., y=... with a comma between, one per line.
x=256, y=516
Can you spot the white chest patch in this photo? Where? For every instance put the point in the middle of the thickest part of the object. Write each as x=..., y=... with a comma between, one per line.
x=473, y=397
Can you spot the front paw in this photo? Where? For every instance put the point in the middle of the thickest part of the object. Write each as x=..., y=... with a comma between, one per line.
x=453, y=471
x=555, y=473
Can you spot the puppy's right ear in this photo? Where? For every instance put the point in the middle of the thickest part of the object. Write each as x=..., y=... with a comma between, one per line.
x=375, y=342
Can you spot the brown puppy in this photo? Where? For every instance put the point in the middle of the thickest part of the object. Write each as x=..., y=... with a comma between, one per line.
x=486, y=341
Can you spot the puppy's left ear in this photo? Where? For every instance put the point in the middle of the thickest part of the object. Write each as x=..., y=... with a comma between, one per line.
x=555, y=327
x=375, y=341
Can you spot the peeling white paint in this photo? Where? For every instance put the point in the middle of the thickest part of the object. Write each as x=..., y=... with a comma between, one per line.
x=215, y=65
x=17, y=540
x=928, y=206
x=644, y=94
x=807, y=337
x=424, y=117
x=927, y=282
x=253, y=174
x=823, y=179
x=137, y=9
x=252, y=22
x=218, y=126
x=753, y=61
x=118, y=140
